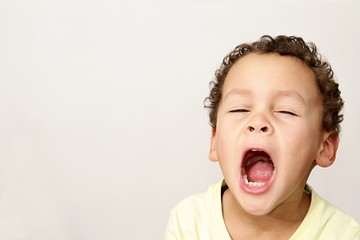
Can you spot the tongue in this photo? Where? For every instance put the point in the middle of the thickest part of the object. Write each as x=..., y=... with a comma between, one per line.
x=260, y=171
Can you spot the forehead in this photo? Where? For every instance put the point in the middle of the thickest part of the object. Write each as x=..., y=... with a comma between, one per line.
x=264, y=73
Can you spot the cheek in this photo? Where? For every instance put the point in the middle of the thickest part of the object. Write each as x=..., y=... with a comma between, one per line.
x=227, y=147
x=305, y=131
x=301, y=145
x=228, y=136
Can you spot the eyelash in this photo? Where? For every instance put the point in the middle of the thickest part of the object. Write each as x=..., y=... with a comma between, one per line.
x=240, y=110
x=282, y=112
x=287, y=112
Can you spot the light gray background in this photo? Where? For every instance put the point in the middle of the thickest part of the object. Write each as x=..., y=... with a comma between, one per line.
x=101, y=118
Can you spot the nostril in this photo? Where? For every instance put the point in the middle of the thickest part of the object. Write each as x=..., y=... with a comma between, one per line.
x=264, y=129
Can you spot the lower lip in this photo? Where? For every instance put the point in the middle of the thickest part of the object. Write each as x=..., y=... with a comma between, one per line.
x=257, y=189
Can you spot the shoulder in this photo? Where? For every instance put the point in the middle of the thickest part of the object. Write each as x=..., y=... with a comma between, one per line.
x=325, y=221
x=197, y=217
x=197, y=208
x=199, y=204
x=337, y=222
x=335, y=216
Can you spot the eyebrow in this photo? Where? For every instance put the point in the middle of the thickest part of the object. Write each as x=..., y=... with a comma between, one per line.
x=293, y=94
x=279, y=93
x=237, y=91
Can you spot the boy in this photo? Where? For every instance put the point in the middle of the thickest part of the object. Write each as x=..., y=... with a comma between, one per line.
x=275, y=115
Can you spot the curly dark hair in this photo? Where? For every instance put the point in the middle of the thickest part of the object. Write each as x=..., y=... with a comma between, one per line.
x=285, y=46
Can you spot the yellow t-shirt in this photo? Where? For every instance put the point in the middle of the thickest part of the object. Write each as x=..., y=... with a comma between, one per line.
x=200, y=217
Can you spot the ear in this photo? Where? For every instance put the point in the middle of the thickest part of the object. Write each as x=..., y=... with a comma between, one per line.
x=327, y=152
x=212, y=152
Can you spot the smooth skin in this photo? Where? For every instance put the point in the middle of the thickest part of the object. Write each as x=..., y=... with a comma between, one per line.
x=270, y=102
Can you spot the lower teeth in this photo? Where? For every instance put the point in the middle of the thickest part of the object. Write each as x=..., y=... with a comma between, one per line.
x=253, y=184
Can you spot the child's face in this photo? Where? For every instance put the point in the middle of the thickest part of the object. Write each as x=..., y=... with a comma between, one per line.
x=269, y=131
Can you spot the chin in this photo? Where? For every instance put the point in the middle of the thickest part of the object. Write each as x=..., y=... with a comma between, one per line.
x=257, y=208
x=258, y=211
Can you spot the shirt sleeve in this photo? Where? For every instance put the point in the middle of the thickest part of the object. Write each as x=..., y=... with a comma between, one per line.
x=357, y=236
x=172, y=231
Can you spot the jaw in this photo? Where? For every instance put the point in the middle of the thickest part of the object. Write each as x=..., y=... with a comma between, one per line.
x=283, y=188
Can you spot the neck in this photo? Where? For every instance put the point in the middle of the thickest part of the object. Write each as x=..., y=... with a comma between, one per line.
x=280, y=222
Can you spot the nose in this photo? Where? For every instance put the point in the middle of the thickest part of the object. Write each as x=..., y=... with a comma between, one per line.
x=259, y=124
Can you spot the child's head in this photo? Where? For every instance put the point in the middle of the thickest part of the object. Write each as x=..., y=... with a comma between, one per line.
x=275, y=113
x=290, y=46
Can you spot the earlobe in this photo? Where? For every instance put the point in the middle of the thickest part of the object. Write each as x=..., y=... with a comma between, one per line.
x=327, y=152
x=212, y=152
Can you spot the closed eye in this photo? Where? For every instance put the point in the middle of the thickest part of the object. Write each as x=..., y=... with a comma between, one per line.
x=287, y=112
x=240, y=110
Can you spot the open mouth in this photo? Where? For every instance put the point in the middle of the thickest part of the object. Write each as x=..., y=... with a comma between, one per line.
x=257, y=169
